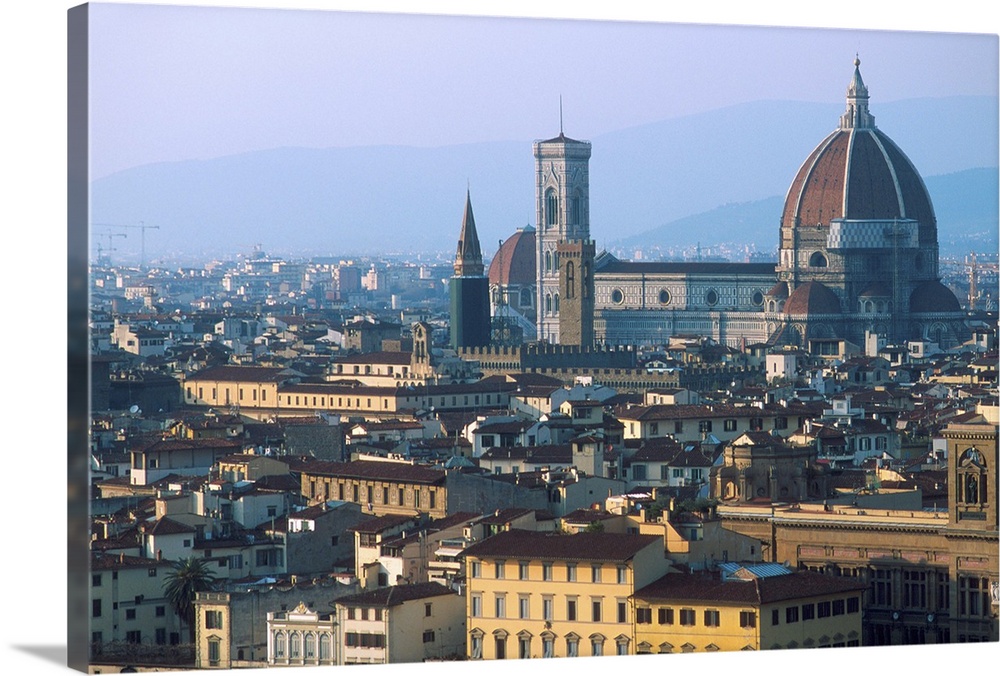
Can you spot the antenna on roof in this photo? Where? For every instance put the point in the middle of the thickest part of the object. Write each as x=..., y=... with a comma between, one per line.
x=560, y=116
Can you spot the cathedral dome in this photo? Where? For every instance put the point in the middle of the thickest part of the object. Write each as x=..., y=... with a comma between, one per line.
x=514, y=262
x=857, y=172
x=812, y=298
x=934, y=297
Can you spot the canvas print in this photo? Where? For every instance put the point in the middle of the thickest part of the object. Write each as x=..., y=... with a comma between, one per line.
x=414, y=338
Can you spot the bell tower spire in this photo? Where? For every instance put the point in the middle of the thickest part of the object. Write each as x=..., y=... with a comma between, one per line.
x=469, y=257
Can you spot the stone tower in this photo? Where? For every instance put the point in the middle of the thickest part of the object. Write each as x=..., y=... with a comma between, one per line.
x=562, y=207
x=468, y=289
x=576, y=293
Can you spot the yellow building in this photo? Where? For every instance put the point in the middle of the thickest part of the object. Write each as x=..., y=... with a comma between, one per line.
x=532, y=594
x=755, y=608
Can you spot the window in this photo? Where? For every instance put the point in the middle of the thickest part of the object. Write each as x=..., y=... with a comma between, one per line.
x=704, y=426
x=596, y=647
x=522, y=570
x=95, y=608
x=547, y=572
x=476, y=647
x=781, y=423
x=524, y=647
x=687, y=617
x=547, y=605
x=500, y=646
x=498, y=570
x=477, y=569
x=310, y=645
x=639, y=471
x=644, y=616
x=213, y=619
x=791, y=614
x=622, y=612
x=914, y=589
x=477, y=605
x=756, y=424
x=378, y=614
x=711, y=618
x=279, y=645
x=729, y=425
x=429, y=636
x=774, y=616
x=748, y=619
x=500, y=606
x=823, y=609
x=161, y=636
x=595, y=610
x=853, y=604
x=134, y=636
x=678, y=427
x=523, y=608
x=622, y=575
x=571, y=609
x=95, y=580
x=130, y=614
x=665, y=616
x=838, y=607
x=161, y=611
x=548, y=646
x=595, y=573
x=572, y=646
x=428, y=609
x=622, y=647
x=808, y=612
x=571, y=572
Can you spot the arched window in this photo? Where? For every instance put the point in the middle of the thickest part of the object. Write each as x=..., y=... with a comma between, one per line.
x=310, y=646
x=548, y=261
x=586, y=280
x=525, y=300
x=551, y=208
x=548, y=302
x=817, y=260
x=279, y=645
x=324, y=646
x=555, y=303
x=570, y=279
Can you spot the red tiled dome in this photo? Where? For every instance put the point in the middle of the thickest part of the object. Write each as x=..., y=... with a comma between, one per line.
x=779, y=291
x=812, y=298
x=875, y=290
x=514, y=263
x=934, y=296
x=857, y=172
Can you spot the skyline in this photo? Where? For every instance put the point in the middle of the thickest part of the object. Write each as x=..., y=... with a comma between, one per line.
x=196, y=92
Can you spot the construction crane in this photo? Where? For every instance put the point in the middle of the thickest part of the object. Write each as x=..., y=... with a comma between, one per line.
x=101, y=256
x=142, y=227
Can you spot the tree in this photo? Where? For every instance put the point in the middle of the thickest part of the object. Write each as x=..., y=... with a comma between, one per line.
x=180, y=586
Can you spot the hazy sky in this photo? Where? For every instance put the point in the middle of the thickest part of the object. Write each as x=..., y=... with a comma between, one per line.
x=178, y=82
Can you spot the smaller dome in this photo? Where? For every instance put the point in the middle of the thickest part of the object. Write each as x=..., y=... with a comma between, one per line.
x=779, y=291
x=514, y=262
x=876, y=290
x=933, y=296
x=812, y=298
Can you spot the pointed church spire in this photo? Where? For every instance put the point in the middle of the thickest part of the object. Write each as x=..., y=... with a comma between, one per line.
x=857, y=116
x=469, y=257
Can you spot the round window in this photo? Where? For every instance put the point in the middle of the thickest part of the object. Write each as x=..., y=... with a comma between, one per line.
x=617, y=297
x=758, y=298
x=664, y=296
x=711, y=297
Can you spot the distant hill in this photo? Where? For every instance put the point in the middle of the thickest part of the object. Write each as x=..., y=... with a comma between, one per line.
x=965, y=203
x=344, y=201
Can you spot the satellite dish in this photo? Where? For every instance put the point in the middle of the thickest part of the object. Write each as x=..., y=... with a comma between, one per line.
x=133, y=409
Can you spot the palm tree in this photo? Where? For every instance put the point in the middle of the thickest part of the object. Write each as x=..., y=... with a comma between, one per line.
x=180, y=586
